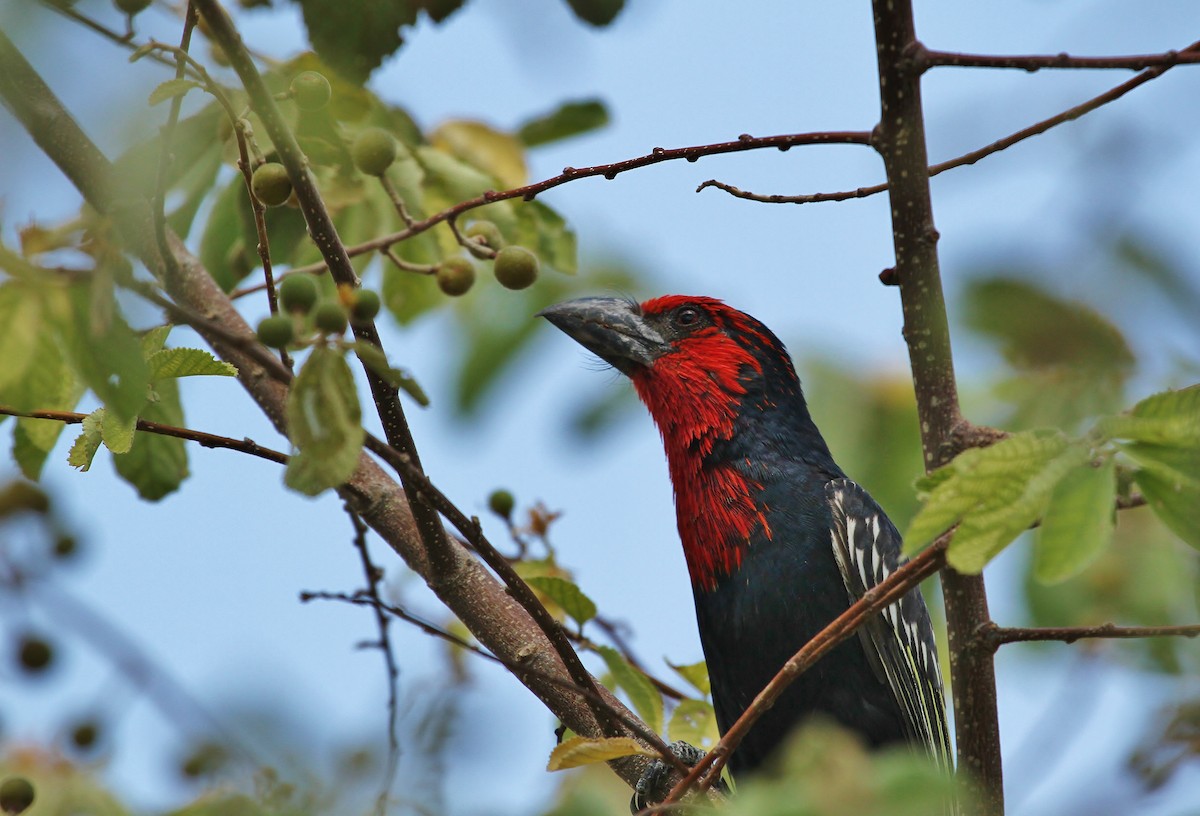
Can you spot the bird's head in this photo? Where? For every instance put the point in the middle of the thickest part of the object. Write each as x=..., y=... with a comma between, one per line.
x=694, y=361
x=722, y=390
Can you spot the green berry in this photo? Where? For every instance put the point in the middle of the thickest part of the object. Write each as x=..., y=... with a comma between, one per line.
x=131, y=7
x=270, y=184
x=298, y=293
x=501, y=503
x=20, y=496
x=65, y=546
x=34, y=654
x=16, y=795
x=310, y=90
x=366, y=306
x=205, y=760
x=85, y=734
x=374, y=151
x=276, y=331
x=455, y=276
x=330, y=317
x=488, y=231
x=515, y=267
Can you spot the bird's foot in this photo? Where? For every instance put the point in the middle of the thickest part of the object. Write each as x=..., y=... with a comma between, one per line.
x=655, y=783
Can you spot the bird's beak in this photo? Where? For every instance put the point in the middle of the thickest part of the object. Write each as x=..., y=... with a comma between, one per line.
x=612, y=329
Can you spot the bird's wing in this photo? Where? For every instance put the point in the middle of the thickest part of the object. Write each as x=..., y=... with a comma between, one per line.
x=899, y=641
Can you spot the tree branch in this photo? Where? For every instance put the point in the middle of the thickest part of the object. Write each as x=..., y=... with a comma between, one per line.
x=1192, y=52
x=325, y=237
x=894, y=587
x=992, y=637
x=900, y=140
x=608, y=171
x=205, y=440
x=470, y=591
x=925, y=59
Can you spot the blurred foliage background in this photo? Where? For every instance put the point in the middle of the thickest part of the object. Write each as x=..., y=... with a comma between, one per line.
x=1071, y=271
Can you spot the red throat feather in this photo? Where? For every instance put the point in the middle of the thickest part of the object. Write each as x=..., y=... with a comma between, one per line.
x=694, y=395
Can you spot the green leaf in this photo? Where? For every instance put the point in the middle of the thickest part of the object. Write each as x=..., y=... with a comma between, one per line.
x=1171, y=492
x=694, y=722
x=567, y=595
x=695, y=674
x=567, y=120
x=106, y=353
x=187, y=362
x=88, y=442
x=324, y=423
x=171, y=89
x=50, y=384
x=646, y=700
x=156, y=464
x=993, y=494
x=1036, y=329
x=354, y=38
x=154, y=339
x=373, y=358
x=1167, y=418
x=21, y=319
x=117, y=431
x=578, y=751
x=1078, y=523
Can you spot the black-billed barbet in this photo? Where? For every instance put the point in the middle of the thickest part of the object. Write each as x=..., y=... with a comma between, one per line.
x=778, y=541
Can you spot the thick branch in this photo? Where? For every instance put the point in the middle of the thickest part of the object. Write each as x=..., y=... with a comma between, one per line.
x=469, y=590
x=901, y=143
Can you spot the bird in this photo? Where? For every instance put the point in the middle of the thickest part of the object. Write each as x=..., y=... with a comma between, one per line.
x=778, y=540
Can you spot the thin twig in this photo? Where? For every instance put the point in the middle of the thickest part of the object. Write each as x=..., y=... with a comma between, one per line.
x=608, y=171
x=517, y=588
x=517, y=668
x=1192, y=54
x=990, y=636
x=925, y=59
x=124, y=40
x=165, y=158
x=373, y=575
x=708, y=770
x=205, y=440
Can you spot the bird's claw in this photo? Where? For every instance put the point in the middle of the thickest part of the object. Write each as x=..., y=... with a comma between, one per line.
x=653, y=786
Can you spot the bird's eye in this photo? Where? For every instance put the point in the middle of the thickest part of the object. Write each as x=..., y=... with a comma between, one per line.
x=687, y=316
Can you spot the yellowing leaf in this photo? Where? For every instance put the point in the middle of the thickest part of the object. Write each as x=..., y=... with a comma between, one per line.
x=485, y=148
x=579, y=751
x=696, y=674
x=1078, y=523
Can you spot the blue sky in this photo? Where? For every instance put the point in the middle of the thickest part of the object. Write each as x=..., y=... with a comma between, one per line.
x=207, y=580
